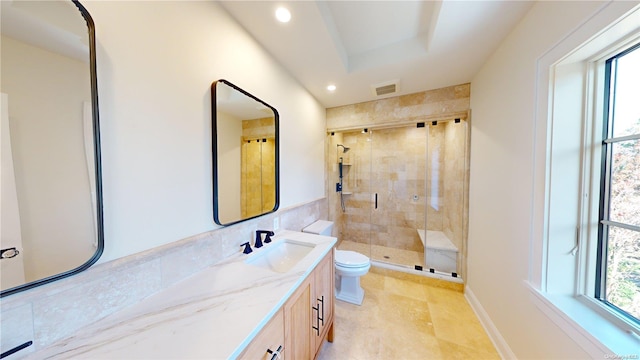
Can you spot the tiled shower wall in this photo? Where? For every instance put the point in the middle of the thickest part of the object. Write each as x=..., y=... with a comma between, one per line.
x=393, y=166
x=258, y=172
x=439, y=104
x=399, y=162
x=51, y=312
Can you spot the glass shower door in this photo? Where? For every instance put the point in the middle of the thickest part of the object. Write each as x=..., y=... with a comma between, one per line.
x=355, y=166
x=397, y=190
x=404, y=191
x=445, y=232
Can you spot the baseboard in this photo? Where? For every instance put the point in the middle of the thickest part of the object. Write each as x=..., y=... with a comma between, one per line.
x=496, y=338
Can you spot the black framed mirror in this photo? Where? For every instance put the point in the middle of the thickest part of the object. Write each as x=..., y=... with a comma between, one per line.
x=245, y=154
x=52, y=224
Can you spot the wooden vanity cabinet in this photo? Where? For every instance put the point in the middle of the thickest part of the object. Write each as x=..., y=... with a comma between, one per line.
x=322, y=303
x=297, y=319
x=305, y=320
x=308, y=314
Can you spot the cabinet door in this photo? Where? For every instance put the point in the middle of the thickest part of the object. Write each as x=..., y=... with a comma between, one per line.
x=323, y=302
x=269, y=339
x=297, y=313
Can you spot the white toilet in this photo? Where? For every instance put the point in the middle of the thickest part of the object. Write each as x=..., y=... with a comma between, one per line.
x=350, y=265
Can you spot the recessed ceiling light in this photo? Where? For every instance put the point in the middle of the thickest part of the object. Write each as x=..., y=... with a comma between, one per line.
x=331, y=87
x=283, y=15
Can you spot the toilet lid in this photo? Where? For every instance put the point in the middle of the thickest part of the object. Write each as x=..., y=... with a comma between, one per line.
x=349, y=258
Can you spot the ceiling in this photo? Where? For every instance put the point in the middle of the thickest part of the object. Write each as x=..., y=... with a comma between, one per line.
x=359, y=45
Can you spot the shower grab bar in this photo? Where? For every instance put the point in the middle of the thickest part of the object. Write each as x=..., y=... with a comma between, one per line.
x=376, y=201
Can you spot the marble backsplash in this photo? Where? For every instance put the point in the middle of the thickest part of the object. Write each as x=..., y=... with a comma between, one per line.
x=51, y=312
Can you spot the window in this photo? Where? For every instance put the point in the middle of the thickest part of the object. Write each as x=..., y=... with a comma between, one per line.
x=585, y=243
x=618, y=254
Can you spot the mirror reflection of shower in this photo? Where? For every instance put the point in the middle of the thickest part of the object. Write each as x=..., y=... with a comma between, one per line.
x=339, y=185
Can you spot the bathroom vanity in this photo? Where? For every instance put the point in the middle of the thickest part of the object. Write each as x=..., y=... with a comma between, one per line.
x=298, y=330
x=242, y=307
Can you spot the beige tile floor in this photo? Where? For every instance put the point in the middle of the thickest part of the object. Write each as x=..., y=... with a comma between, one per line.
x=405, y=316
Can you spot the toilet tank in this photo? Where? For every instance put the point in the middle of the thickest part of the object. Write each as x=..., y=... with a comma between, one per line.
x=320, y=227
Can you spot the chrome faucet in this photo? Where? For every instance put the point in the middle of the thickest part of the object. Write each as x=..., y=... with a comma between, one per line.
x=267, y=238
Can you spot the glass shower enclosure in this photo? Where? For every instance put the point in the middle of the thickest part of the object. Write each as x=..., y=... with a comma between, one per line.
x=404, y=194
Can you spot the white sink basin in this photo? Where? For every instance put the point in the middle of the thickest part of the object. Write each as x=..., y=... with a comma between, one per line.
x=280, y=256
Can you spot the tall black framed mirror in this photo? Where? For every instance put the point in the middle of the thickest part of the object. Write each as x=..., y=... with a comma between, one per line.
x=245, y=154
x=51, y=204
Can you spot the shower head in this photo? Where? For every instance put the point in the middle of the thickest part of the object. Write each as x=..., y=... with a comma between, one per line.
x=344, y=148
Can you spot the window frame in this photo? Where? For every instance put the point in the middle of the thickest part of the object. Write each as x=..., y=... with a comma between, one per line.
x=604, y=223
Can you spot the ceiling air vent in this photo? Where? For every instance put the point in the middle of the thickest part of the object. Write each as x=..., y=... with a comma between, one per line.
x=386, y=88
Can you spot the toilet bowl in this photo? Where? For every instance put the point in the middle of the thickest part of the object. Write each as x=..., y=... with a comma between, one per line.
x=349, y=265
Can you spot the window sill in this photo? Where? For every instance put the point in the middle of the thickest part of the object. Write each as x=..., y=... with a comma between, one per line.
x=588, y=328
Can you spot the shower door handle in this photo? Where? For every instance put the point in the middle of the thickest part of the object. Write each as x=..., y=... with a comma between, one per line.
x=376, y=201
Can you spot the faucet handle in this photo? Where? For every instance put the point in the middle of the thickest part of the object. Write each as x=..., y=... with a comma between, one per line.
x=258, y=243
x=247, y=248
x=267, y=238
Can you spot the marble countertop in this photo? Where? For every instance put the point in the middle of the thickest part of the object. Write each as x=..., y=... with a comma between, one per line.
x=212, y=314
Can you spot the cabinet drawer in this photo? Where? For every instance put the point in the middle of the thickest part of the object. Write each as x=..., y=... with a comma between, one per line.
x=270, y=338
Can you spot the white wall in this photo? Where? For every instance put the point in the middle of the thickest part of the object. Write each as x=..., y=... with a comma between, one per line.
x=503, y=170
x=156, y=62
